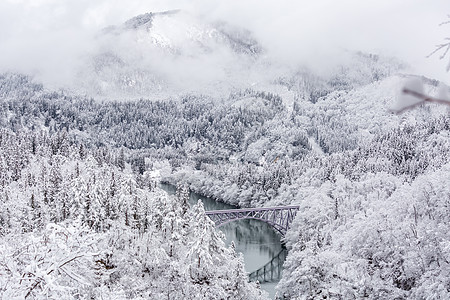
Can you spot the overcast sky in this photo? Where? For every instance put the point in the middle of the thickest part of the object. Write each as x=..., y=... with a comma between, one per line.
x=36, y=34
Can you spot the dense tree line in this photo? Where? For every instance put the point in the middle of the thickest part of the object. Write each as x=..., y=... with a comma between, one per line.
x=84, y=166
x=377, y=237
x=75, y=221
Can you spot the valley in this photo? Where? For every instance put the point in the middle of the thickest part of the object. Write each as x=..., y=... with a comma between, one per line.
x=168, y=101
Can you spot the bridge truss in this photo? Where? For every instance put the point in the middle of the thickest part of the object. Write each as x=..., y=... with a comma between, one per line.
x=279, y=217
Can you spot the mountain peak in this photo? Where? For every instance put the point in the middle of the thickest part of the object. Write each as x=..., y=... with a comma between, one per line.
x=139, y=21
x=145, y=20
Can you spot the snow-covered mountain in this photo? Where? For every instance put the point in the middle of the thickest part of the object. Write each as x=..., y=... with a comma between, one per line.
x=171, y=29
x=169, y=53
x=159, y=55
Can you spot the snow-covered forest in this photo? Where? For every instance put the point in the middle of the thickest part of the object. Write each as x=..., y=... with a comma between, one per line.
x=77, y=222
x=82, y=216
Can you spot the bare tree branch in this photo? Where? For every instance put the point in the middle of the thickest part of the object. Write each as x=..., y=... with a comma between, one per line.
x=423, y=97
x=445, y=46
x=426, y=97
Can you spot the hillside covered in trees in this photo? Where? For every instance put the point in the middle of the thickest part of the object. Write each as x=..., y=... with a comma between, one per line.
x=72, y=164
x=76, y=221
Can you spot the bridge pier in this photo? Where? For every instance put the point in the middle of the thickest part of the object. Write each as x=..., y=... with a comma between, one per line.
x=270, y=271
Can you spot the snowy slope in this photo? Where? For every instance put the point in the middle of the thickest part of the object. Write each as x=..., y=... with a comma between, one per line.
x=161, y=55
x=168, y=53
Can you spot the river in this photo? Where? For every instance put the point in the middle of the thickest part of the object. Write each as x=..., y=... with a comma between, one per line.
x=256, y=240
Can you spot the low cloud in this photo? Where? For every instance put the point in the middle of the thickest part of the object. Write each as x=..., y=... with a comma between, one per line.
x=51, y=39
x=315, y=32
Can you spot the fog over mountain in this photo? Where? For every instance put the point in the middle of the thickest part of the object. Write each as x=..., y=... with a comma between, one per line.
x=168, y=53
x=56, y=41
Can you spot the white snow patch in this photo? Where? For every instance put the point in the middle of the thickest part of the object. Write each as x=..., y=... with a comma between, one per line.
x=314, y=146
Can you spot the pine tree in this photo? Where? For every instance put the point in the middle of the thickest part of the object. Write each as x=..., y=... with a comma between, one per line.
x=207, y=250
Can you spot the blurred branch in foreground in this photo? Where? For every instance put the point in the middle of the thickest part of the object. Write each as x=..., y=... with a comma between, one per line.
x=413, y=95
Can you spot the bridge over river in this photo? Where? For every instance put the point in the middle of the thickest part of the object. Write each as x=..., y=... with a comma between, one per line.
x=256, y=232
x=279, y=217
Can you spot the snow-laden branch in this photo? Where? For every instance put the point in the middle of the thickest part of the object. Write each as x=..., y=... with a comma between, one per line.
x=443, y=46
x=424, y=98
x=54, y=267
x=412, y=95
x=78, y=278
